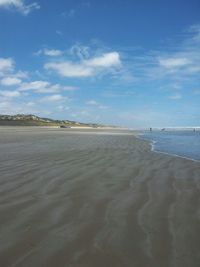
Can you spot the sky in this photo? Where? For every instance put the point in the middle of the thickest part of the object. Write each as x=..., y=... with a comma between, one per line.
x=133, y=63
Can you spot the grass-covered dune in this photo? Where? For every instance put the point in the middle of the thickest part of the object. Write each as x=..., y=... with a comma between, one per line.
x=32, y=120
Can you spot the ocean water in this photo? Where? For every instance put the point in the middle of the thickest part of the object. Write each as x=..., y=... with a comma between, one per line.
x=181, y=143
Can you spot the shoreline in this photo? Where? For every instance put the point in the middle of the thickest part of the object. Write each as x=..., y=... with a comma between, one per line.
x=174, y=155
x=101, y=130
x=153, y=149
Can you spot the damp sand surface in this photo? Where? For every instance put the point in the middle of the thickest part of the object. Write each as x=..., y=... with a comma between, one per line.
x=95, y=198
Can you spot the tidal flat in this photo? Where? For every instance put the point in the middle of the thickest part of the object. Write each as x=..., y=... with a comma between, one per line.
x=93, y=198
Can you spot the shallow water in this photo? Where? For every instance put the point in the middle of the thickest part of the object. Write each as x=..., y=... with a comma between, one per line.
x=181, y=143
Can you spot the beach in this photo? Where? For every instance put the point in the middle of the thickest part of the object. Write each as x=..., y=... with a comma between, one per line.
x=93, y=198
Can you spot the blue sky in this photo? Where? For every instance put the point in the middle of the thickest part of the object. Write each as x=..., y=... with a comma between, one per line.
x=122, y=62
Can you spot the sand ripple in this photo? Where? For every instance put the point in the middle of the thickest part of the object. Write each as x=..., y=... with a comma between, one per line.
x=93, y=199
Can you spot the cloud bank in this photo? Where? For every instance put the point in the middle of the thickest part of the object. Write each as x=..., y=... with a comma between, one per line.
x=85, y=68
x=6, y=65
x=19, y=5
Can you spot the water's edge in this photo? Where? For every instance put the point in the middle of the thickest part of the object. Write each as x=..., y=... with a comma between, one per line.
x=153, y=149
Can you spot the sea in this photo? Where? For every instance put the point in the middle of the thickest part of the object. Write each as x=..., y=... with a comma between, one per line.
x=175, y=142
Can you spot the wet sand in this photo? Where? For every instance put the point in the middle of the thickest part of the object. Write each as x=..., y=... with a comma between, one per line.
x=81, y=198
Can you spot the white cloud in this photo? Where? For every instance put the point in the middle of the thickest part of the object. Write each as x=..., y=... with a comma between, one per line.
x=19, y=5
x=8, y=75
x=96, y=104
x=36, y=85
x=49, y=52
x=175, y=96
x=85, y=68
x=52, y=52
x=69, y=13
x=21, y=74
x=5, y=107
x=92, y=102
x=195, y=30
x=52, y=98
x=9, y=81
x=55, y=89
x=6, y=65
x=69, y=88
x=105, y=61
x=45, y=87
x=179, y=62
x=173, y=62
x=30, y=104
x=11, y=106
x=80, y=51
x=9, y=94
x=69, y=69
x=76, y=10
x=47, y=90
x=102, y=107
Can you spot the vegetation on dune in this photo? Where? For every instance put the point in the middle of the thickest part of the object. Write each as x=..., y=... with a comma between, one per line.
x=32, y=120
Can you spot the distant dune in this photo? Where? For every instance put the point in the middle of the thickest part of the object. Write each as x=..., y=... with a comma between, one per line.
x=32, y=120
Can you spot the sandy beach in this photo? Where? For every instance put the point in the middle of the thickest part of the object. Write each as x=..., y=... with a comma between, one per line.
x=95, y=198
